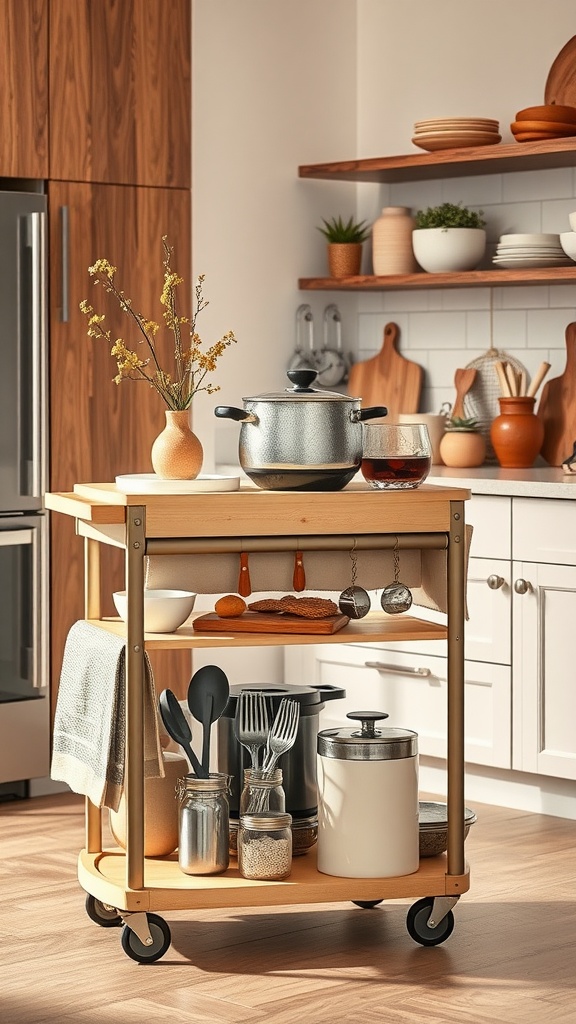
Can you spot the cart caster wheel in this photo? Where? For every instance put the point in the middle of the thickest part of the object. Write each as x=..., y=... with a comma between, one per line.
x=366, y=904
x=417, y=924
x=136, y=949
x=101, y=914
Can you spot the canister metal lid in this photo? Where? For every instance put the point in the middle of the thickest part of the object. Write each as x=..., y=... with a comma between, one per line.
x=367, y=743
x=263, y=821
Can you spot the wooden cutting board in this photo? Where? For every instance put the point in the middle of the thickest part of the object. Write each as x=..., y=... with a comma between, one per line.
x=388, y=378
x=561, y=81
x=557, y=407
x=268, y=622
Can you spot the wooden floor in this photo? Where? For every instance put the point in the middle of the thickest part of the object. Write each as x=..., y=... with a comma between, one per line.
x=510, y=960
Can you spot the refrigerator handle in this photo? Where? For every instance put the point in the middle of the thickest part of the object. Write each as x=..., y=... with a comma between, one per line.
x=65, y=240
x=39, y=416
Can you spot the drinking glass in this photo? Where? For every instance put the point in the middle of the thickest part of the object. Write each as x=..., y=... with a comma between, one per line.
x=395, y=455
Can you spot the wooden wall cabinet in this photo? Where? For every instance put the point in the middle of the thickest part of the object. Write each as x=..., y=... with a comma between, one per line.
x=120, y=88
x=24, y=88
x=99, y=429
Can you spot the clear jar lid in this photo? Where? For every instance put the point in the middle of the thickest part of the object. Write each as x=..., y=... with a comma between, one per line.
x=367, y=743
x=266, y=821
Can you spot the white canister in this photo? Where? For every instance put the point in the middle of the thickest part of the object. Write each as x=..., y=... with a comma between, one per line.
x=368, y=800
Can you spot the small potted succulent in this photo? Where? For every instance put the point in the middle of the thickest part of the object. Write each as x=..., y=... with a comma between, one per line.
x=449, y=238
x=463, y=445
x=345, y=240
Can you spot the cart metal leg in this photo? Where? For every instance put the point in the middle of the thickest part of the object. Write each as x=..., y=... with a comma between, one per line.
x=456, y=591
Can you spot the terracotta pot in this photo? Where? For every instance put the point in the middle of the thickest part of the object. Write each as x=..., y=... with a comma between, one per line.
x=177, y=453
x=392, y=251
x=462, y=449
x=517, y=433
x=161, y=810
x=344, y=259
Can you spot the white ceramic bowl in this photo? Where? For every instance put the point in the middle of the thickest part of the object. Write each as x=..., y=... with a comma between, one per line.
x=568, y=243
x=164, y=610
x=572, y=219
x=441, y=250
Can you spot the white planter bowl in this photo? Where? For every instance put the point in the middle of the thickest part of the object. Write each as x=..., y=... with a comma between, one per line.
x=164, y=610
x=448, y=250
x=568, y=243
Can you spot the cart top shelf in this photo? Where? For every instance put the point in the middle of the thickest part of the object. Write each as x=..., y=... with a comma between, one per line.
x=358, y=509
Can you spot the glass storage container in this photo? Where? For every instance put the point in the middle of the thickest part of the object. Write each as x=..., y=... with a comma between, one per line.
x=265, y=845
x=203, y=825
x=263, y=791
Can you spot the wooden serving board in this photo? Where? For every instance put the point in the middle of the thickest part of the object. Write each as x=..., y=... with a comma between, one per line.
x=388, y=378
x=269, y=622
x=557, y=407
x=561, y=81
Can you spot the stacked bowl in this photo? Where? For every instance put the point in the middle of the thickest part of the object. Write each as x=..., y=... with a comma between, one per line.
x=455, y=133
x=514, y=252
x=539, y=124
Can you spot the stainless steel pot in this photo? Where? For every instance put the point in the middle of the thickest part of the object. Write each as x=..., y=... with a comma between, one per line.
x=300, y=438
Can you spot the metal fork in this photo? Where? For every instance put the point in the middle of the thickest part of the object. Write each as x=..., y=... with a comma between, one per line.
x=283, y=732
x=251, y=722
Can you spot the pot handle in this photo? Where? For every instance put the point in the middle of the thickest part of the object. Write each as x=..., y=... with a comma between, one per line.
x=229, y=412
x=373, y=412
x=328, y=692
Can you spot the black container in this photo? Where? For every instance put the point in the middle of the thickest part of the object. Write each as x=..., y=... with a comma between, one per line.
x=298, y=764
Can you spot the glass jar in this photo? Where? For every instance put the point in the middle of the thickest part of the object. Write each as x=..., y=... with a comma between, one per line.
x=203, y=825
x=265, y=845
x=262, y=791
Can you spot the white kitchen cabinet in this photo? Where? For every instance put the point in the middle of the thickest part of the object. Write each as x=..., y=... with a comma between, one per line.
x=519, y=669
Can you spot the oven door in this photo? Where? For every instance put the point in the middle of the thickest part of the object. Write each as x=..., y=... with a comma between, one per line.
x=24, y=689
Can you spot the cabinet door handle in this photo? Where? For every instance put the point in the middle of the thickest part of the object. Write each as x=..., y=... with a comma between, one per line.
x=65, y=250
x=495, y=582
x=522, y=586
x=398, y=670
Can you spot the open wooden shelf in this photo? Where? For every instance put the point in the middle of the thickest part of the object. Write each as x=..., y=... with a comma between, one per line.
x=464, y=279
x=449, y=163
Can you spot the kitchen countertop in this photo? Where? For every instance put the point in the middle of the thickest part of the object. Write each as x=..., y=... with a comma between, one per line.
x=538, y=482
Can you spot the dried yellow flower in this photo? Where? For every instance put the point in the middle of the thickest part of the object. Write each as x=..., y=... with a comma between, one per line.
x=191, y=365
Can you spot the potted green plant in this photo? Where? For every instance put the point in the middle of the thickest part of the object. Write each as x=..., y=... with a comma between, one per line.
x=345, y=240
x=449, y=238
x=463, y=445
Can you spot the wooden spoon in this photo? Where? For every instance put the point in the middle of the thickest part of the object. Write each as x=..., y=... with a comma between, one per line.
x=463, y=381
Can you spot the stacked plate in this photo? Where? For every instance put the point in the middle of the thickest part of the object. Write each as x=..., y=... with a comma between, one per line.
x=530, y=250
x=455, y=133
x=537, y=124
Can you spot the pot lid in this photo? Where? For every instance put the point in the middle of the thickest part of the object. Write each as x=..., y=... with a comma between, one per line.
x=367, y=743
x=302, y=391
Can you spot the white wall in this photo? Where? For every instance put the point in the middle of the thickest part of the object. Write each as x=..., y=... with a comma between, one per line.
x=277, y=84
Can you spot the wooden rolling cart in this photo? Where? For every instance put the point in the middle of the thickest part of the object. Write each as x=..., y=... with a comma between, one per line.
x=124, y=887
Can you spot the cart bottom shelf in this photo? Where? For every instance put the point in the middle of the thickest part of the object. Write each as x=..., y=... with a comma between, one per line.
x=166, y=887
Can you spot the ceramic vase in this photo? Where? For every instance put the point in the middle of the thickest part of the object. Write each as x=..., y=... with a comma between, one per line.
x=344, y=259
x=161, y=809
x=392, y=251
x=462, y=449
x=177, y=453
x=517, y=433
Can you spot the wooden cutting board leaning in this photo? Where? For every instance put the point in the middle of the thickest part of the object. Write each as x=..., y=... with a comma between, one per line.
x=388, y=378
x=557, y=407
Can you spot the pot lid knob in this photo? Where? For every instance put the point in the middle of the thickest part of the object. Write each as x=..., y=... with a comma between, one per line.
x=368, y=719
x=301, y=379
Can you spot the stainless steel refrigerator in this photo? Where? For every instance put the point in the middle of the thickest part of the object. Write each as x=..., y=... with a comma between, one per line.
x=24, y=586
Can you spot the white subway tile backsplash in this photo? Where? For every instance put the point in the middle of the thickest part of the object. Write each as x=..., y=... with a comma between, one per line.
x=509, y=328
x=443, y=363
x=406, y=301
x=513, y=218
x=437, y=330
x=563, y=295
x=546, y=328
x=525, y=298
x=465, y=298
x=477, y=330
x=525, y=185
x=475, y=192
x=418, y=195
x=555, y=214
